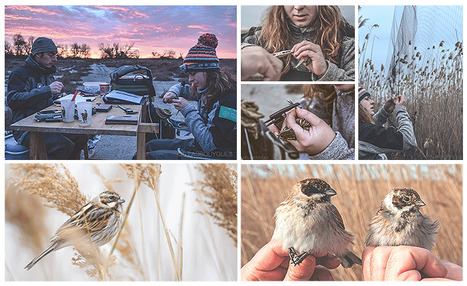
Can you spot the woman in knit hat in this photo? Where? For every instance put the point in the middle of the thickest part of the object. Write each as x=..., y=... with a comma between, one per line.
x=213, y=122
x=374, y=140
x=321, y=44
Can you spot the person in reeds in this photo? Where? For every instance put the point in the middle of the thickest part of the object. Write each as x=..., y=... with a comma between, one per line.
x=375, y=140
x=213, y=123
x=320, y=40
x=330, y=110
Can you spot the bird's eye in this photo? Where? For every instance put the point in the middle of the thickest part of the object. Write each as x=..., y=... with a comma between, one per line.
x=112, y=197
x=406, y=199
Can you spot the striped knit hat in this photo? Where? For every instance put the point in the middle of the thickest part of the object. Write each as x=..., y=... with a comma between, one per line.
x=203, y=55
x=362, y=93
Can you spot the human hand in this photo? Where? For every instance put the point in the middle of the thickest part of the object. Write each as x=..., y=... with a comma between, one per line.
x=272, y=263
x=400, y=100
x=180, y=103
x=56, y=87
x=306, y=49
x=311, y=141
x=168, y=96
x=389, y=105
x=406, y=263
x=255, y=60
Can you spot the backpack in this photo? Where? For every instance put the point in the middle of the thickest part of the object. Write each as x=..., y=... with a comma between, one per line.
x=134, y=79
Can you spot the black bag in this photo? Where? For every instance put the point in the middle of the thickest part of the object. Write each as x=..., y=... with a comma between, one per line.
x=134, y=79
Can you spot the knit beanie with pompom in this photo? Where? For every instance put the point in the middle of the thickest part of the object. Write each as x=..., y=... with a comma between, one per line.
x=203, y=55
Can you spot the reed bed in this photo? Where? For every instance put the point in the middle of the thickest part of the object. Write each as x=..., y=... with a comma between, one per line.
x=431, y=80
x=360, y=189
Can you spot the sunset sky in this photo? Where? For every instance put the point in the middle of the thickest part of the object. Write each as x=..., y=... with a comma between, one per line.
x=150, y=28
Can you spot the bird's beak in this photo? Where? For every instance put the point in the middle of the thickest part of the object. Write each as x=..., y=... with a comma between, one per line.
x=420, y=203
x=120, y=201
x=330, y=192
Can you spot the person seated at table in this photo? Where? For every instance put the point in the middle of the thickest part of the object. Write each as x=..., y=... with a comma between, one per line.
x=31, y=88
x=213, y=123
x=320, y=40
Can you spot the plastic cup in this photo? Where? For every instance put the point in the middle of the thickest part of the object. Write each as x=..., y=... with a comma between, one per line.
x=84, y=113
x=68, y=110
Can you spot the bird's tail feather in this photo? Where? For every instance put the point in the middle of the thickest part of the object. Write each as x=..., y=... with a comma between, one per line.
x=348, y=259
x=40, y=256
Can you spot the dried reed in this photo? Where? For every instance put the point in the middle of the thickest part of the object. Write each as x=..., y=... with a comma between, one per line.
x=360, y=189
x=432, y=83
x=149, y=174
x=219, y=194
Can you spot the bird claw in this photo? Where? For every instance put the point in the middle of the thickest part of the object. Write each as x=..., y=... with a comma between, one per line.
x=296, y=259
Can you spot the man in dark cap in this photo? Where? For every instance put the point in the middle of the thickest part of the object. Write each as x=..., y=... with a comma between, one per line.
x=32, y=88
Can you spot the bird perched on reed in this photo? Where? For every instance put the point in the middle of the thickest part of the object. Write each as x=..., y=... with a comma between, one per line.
x=308, y=223
x=98, y=222
x=399, y=222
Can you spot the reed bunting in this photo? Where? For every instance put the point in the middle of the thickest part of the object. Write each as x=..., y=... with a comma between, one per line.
x=399, y=222
x=98, y=221
x=308, y=223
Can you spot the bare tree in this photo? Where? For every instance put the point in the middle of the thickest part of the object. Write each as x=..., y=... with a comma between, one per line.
x=19, y=43
x=117, y=51
x=8, y=49
x=62, y=50
x=74, y=49
x=84, y=51
x=28, y=45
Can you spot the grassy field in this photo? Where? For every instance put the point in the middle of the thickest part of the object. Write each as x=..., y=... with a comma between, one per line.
x=360, y=189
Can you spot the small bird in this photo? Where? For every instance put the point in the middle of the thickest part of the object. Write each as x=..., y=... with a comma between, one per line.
x=399, y=222
x=99, y=220
x=308, y=223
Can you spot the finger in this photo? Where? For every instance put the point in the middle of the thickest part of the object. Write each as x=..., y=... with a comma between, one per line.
x=302, y=272
x=272, y=68
x=321, y=274
x=274, y=129
x=414, y=258
x=374, y=262
x=270, y=256
x=308, y=116
x=328, y=261
x=307, y=50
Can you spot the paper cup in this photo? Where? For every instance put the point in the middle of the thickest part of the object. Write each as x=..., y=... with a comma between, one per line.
x=68, y=110
x=84, y=113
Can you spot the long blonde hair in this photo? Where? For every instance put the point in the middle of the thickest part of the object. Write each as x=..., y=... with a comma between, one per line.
x=330, y=27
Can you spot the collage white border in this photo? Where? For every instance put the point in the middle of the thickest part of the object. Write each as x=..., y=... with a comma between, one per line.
x=239, y=162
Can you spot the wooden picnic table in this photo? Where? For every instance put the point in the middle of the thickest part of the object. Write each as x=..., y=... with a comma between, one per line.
x=98, y=126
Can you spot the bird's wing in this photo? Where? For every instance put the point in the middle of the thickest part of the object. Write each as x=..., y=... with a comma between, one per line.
x=337, y=216
x=90, y=217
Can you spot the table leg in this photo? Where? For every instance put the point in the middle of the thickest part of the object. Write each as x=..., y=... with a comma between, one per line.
x=37, y=149
x=141, y=146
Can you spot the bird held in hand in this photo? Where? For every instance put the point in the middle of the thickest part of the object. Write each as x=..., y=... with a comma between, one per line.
x=399, y=222
x=98, y=221
x=308, y=223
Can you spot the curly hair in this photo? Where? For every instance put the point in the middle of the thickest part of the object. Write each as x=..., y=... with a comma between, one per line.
x=325, y=93
x=330, y=27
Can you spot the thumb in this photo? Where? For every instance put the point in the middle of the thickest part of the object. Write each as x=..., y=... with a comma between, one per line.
x=302, y=272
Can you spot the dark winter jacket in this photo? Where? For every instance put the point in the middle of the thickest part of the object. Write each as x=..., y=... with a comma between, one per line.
x=28, y=91
x=374, y=140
